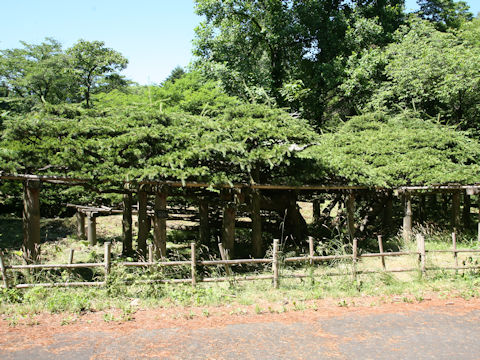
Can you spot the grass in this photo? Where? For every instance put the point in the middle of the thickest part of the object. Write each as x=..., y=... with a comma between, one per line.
x=293, y=295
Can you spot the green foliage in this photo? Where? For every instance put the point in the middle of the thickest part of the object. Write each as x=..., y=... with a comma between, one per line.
x=291, y=53
x=381, y=150
x=427, y=70
x=90, y=61
x=445, y=14
x=144, y=143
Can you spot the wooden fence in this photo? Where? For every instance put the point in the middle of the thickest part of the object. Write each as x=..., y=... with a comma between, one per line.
x=275, y=260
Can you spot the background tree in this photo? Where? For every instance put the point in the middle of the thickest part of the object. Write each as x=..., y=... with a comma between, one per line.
x=91, y=61
x=433, y=72
x=291, y=53
x=445, y=14
x=36, y=71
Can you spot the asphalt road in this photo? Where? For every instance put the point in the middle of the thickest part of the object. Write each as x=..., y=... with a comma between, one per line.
x=405, y=334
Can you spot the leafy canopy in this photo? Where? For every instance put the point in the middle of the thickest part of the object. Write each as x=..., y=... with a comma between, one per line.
x=377, y=149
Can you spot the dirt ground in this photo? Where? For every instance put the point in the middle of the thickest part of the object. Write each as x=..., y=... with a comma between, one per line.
x=366, y=328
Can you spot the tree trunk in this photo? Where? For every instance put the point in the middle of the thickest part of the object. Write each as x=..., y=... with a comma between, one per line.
x=31, y=221
x=127, y=249
x=160, y=225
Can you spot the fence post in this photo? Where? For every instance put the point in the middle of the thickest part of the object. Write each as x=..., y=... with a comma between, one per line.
x=194, y=264
x=311, y=249
x=422, y=253
x=354, y=257
x=70, y=257
x=455, y=254
x=107, y=257
x=380, y=248
x=224, y=257
x=4, y=271
x=275, y=263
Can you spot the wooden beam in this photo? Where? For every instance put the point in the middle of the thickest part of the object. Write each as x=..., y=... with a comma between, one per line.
x=31, y=220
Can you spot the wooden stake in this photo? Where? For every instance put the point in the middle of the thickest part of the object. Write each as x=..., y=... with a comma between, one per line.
x=92, y=229
x=311, y=249
x=224, y=256
x=107, y=256
x=422, y=253
x=454, y=245
x=194, y=264
x=275, y=264
x=4, y=271
x=80, y=225
x=380, y=248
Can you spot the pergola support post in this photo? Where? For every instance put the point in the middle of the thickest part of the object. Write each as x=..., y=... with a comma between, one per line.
x=127, y=229
x=204, y=231
x=160, y=224
x=92, y=229
x=455, y=210
x=80, y=224
x=143, y=226
x=31, y=221
x=407, y=219
x=350, y=205
x=257, y=243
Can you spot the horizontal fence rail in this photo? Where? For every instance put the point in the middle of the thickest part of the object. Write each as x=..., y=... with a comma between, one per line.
x=275, y=262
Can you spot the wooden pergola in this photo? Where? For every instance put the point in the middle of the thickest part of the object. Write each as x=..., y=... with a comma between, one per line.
x=230, y=194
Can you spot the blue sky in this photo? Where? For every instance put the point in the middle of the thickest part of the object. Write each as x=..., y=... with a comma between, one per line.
x=155, y=35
